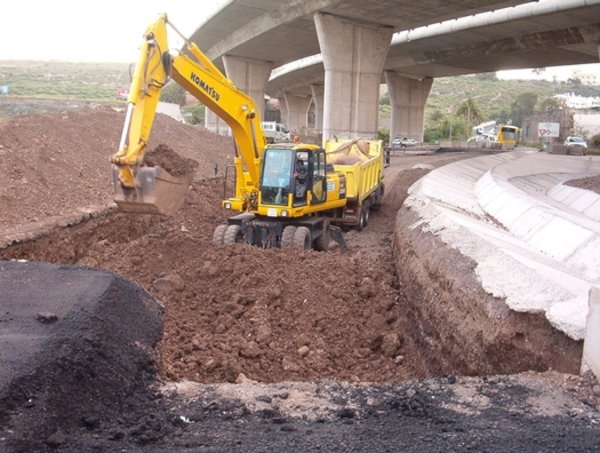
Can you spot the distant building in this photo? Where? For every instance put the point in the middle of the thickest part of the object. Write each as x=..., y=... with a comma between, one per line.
x=587, y=123
x=530, y=126
x=586, y=79
x=574, y=101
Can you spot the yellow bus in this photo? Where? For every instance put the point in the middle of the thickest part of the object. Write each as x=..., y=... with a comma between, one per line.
x=508, y=134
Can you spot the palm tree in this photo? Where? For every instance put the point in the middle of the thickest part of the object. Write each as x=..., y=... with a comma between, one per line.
x=470, y=111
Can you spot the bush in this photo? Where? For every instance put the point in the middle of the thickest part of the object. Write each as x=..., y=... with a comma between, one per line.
x=595, y=141
x=384, y=135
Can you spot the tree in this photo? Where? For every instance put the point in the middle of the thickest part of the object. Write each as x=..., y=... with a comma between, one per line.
x=436, y=116
x=173, y=93
x=470, y=111
x=522, y=107
x=550, y=105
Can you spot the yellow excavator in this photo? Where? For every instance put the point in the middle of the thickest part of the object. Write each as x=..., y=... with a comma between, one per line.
x=287, y=194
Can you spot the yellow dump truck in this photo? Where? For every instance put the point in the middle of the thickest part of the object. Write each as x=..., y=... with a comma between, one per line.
x=361, y=162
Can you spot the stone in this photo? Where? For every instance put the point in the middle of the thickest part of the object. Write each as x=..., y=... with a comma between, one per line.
x=250, y=350
x=288, y=365
x=46, y=317
x=263, y=333
x=169, y=283
x=303, y=351
x=390, y=344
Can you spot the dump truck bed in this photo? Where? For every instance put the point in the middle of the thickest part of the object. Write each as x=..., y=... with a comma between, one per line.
x=362, y=163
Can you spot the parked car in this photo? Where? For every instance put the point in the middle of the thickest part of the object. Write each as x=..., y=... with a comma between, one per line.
x=574, y=140
x=404, y=142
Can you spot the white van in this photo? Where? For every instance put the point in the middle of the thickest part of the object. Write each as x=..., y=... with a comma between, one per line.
x=275, y=132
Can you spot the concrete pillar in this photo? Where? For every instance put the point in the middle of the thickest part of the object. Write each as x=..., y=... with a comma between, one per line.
x=591, y=344
x=250, y=76
x=317, y=98
x=215, y=124
x=283, y=110
x=353, y=57
x=408, y=98
x=297, y=107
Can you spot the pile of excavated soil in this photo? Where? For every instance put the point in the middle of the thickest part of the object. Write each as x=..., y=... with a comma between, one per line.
x=52, y=165
x=270, y=315
x=592, y=183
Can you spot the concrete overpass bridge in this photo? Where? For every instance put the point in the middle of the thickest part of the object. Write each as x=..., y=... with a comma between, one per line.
x=349, y=47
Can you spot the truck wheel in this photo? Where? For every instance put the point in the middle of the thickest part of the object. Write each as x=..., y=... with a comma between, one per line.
x=366, y=215
x=219, y=234
x=287, y=237
x=377, y=203
x=302, y=240
x=363, y=218
x=233, y=235
x=322, y=242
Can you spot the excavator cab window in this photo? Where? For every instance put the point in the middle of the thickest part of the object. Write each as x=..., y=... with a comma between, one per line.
x=277, y=176
x=300, y=178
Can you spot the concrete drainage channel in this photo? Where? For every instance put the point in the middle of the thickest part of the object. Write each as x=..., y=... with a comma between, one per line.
x=385, y=312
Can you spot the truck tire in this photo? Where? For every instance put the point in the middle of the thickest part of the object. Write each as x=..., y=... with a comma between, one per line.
x=377, y=202
x=302, y=239
x=363, y=218
x=287, y=237
x=322, y=242
x=219, y=234
x=233, y=235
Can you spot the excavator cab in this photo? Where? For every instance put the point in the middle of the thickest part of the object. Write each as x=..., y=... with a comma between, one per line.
x=285, y=176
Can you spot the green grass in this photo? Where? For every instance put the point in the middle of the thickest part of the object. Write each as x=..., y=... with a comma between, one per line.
x=63, y=80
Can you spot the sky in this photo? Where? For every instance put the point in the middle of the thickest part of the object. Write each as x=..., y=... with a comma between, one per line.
x=102, y=30
x=111, y=31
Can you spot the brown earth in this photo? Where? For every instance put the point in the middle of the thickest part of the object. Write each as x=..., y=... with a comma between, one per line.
x=53, y=165
x=238, y=313
x=268, y=315
x=592, y=183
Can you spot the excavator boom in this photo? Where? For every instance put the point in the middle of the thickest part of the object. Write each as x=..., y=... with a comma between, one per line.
x=143, y=189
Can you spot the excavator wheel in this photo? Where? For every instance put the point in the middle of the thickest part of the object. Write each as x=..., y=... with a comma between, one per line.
x=287, y=237
x=322, y=242
x=219, y=234
x=233, y=235
x=302, y=239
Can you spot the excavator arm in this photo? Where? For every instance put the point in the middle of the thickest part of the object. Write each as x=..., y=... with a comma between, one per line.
x=137, y=186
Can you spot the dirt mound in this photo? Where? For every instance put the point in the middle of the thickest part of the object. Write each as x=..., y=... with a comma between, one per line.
x=51, y=165
x=79, y=349
x=269, y=314
x=592, y=183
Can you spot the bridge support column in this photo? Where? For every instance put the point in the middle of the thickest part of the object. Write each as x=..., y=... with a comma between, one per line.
x=353, y=56
x=250, y=76
x=283, y=110
x=408, y=98
x=297, y=108
x=215, y=124
x=317, y=98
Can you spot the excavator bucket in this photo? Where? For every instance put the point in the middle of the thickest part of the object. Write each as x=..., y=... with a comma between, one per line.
x=156, y=192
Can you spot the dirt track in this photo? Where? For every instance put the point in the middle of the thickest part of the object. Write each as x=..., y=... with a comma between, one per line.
x=238, y=314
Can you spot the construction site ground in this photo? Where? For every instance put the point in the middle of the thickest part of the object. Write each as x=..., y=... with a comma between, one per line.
x=145, y=335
